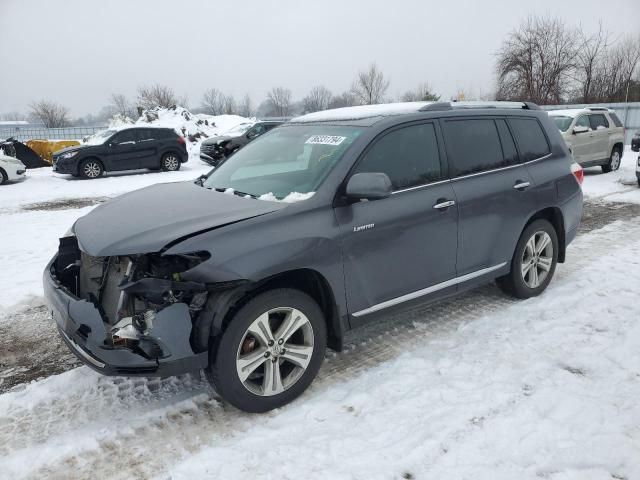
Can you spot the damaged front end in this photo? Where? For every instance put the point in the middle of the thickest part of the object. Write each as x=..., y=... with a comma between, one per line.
x=129, y=314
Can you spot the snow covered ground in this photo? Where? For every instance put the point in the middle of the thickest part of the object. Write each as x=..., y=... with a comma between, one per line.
x=480, y=386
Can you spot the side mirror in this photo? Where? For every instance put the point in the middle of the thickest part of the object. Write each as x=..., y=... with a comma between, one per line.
x=577, y=130
x=369, y=186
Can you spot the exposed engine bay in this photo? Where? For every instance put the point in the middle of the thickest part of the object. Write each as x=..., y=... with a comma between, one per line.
x=132, y=292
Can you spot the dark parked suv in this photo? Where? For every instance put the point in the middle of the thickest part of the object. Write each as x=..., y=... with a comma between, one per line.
x=215, y=149
x=128, y=149
x=317, y=227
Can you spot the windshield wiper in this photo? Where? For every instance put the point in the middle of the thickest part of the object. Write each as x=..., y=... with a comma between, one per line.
x=235, y=192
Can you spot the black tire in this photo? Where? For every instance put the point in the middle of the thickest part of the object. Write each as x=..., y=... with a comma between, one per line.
x=3, y=177
x=91, y=168
x=515, y=282
x=614, y=162
x=223, y=370
x=170, y=162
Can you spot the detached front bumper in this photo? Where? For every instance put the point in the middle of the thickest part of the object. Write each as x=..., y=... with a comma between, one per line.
x=82, y=327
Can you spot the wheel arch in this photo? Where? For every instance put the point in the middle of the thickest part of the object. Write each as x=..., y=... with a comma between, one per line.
x=554, y=216
x=619, y=145
x=4, y=176
x=227, y=303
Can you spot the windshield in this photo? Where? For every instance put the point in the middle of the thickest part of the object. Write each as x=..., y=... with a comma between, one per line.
x=100, y=137
x=286, y=164
x=562, y=123
x=238, y=130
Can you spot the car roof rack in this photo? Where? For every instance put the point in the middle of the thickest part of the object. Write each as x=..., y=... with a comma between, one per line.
x=440, y=106
x=597, y=109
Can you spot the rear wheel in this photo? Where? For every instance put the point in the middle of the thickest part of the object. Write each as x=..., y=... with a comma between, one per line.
x=534, y=261
x=270, y=352
x=170, y=162
x=614, y=161
x=91, y=168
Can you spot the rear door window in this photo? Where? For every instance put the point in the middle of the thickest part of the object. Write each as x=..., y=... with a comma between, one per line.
x=408, y=155
x=509, y=151
x=473, y=146
x=530, y=138
x=598, y=120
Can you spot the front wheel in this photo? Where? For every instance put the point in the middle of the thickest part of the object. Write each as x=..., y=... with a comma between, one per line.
x=170, y=162
x=534, y=261
x=270, y=351
x=91, y=168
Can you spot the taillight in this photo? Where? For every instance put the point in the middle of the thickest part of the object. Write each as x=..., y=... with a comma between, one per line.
x=181, y=140
x=578, y=173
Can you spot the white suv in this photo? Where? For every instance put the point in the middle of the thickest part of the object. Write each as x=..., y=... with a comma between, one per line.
x=595, y=136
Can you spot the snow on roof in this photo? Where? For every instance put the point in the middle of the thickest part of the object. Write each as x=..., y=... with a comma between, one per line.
x=362, y=111
x=574, y=112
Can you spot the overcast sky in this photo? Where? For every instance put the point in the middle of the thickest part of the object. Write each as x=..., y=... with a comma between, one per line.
x=77, y=52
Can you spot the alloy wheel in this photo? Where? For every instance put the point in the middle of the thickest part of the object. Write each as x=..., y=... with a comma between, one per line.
x=171, y=162
x=537, y=259
x=615, y=160
x=92, y=169
x=275, y=351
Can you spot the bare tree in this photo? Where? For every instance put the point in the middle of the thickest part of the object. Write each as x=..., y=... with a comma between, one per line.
x=345, y=99
x=318, y=99
x=246, y=109
x=212, y=101
x=280, y=101
x=12, y=116
x=120, y=105
x=370, y=86
x=51, y=114
x=156, y=96
x=422, y=93
x=536, y=61
x=590, y=55
x=228, y=104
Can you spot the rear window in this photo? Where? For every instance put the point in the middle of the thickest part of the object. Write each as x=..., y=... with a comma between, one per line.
x=530, y=138
x=615, y=119
x=473, y=146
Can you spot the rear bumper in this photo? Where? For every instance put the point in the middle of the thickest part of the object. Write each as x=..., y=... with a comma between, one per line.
x=83, y=329
x=572, y=215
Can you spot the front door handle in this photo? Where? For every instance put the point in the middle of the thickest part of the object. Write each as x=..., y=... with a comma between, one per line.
x=520, y=185
x=444, y=204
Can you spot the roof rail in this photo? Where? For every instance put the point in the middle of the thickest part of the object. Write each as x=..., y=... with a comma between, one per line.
x=439, y=106
x=598, y=109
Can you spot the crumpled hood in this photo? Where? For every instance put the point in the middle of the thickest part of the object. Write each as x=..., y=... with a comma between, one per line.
x=146, y=220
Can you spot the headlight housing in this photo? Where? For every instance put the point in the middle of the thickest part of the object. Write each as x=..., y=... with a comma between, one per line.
x=68, y=155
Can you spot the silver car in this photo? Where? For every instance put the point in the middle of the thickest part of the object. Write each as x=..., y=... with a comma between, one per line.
x=594, y=135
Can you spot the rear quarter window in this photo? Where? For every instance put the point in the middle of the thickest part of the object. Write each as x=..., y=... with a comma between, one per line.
x=614, y=118
x=530, y=138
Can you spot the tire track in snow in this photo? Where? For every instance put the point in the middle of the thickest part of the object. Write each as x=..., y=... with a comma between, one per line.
x=138, y=427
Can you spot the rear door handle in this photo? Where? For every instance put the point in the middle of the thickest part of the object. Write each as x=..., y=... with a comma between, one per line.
x=443, y=205
x=520, y=185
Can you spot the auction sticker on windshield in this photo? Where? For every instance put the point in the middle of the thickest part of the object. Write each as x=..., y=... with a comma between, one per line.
x=325, y=140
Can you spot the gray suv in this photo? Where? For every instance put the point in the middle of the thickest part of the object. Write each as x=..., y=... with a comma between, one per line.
x=594, y=135
x=315, y=228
